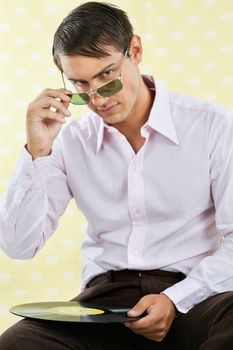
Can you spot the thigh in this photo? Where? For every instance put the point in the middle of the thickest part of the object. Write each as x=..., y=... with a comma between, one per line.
x=210, y=322
x=31, y=334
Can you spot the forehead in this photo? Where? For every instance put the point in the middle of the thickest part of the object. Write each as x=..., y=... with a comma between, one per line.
x=82, y=67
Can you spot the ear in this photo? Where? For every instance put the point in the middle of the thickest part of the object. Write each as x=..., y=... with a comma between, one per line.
x=135, y=49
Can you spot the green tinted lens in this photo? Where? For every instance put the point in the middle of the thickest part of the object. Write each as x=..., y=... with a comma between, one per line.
x=110, y=88
x=80, y=98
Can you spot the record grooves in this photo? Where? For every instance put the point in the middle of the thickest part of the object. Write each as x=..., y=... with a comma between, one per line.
x=72, y=311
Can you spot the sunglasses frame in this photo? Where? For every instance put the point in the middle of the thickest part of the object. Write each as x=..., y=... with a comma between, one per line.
x=96, y=91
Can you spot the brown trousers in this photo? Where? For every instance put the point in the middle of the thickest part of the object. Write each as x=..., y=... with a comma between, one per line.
x=207, y=326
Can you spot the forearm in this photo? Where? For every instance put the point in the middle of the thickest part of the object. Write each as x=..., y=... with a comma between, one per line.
x=22, y=220
x=37, y=196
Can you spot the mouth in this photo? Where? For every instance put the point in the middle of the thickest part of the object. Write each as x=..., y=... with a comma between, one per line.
x=108, y=110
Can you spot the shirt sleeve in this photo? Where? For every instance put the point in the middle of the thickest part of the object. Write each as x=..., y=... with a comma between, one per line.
x=214, y=274
x=37, y=196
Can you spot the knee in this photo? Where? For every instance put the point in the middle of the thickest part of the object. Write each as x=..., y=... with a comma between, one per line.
x=15, y=337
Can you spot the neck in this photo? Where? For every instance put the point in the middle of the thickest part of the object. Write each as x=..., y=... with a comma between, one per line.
x=140, y=113
x=131, y=126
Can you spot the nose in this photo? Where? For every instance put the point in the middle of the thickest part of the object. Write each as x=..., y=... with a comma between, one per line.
x=98, y=100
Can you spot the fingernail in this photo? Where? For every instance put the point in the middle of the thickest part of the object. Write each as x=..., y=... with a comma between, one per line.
x=67, y=98
x=132, y=313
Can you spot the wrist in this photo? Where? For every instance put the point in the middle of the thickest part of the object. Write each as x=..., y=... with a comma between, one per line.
x=173, y=308
x=36, y=153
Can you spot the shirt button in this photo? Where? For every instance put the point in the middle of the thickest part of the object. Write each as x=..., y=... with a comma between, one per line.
x=137, y=211
x=135, y=251
x=135, y=167
x=29, y=176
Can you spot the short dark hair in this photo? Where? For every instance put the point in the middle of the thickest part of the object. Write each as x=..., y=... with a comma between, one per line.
x=89, y=28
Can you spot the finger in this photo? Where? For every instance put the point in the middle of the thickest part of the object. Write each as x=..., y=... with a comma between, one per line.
x=143, y=323
x=54, y=105
x=141, y=306
x=62, y=94
x=50, y=115
x=59, y=107
x=158, y=337
x=153, y=318
x=154, y=333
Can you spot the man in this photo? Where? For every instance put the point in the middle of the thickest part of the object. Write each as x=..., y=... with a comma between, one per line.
x=153, y=173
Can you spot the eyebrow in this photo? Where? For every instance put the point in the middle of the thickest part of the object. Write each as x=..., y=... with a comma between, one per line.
x=95, y=76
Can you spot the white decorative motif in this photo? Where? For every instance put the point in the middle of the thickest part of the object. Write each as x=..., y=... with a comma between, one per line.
x=5, y=277
x=177, y=4
x=227, y=17
x=37, y=276
x=210, y=65
x=162, y=51
x=19, y=293
x=228, y=81
x=5, y=89
x=37, y=56
x=177, y=67
x=194, y=19
x=20, y=72
x=19, y=103
x=68, y=276
x=19, y=11
x=195, y=50
x=177, y=35
x=5, y=119
x=51, y=260
x=209, y=3
x=162, y=20
x=69, y=243
x=51, y=292
x=209, y=34
x=195, y=82
x=37, y=26
x=5, y=57
x=5, y=27
x=51, y=10
x=227, y=49
x=5, y=151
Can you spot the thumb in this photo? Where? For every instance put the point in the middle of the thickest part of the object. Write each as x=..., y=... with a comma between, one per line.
x=140, y=307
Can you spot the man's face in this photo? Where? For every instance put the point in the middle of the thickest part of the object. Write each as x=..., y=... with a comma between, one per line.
x=88, y=73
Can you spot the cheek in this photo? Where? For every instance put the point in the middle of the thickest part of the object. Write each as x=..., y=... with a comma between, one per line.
x=130, y=93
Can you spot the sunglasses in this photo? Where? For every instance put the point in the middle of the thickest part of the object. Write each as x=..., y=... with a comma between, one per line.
x=105, y=90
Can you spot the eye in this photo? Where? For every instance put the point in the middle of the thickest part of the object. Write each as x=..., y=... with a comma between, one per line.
x=79, y=83
x=107, y=73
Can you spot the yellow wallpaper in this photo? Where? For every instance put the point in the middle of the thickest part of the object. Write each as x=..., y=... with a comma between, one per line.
x=187, y=44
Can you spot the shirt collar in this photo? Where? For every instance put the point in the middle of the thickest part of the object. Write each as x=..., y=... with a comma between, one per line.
x=100, y=135
x=160, y=118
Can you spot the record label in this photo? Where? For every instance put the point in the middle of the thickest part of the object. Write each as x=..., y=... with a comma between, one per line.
x=75, y=310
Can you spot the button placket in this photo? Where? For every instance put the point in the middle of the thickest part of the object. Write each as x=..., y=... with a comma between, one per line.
x=137, y=212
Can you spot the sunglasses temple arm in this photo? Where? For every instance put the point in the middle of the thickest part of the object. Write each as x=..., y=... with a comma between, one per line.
x=122, y=69
x=63, y=80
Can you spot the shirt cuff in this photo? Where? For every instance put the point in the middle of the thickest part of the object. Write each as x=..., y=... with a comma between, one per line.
x=187, y=293
x=31, y=174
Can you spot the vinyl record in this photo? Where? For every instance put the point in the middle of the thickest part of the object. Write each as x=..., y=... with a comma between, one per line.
x=72, y=311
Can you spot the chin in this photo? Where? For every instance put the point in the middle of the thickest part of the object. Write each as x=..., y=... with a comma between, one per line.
x=114, y=120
